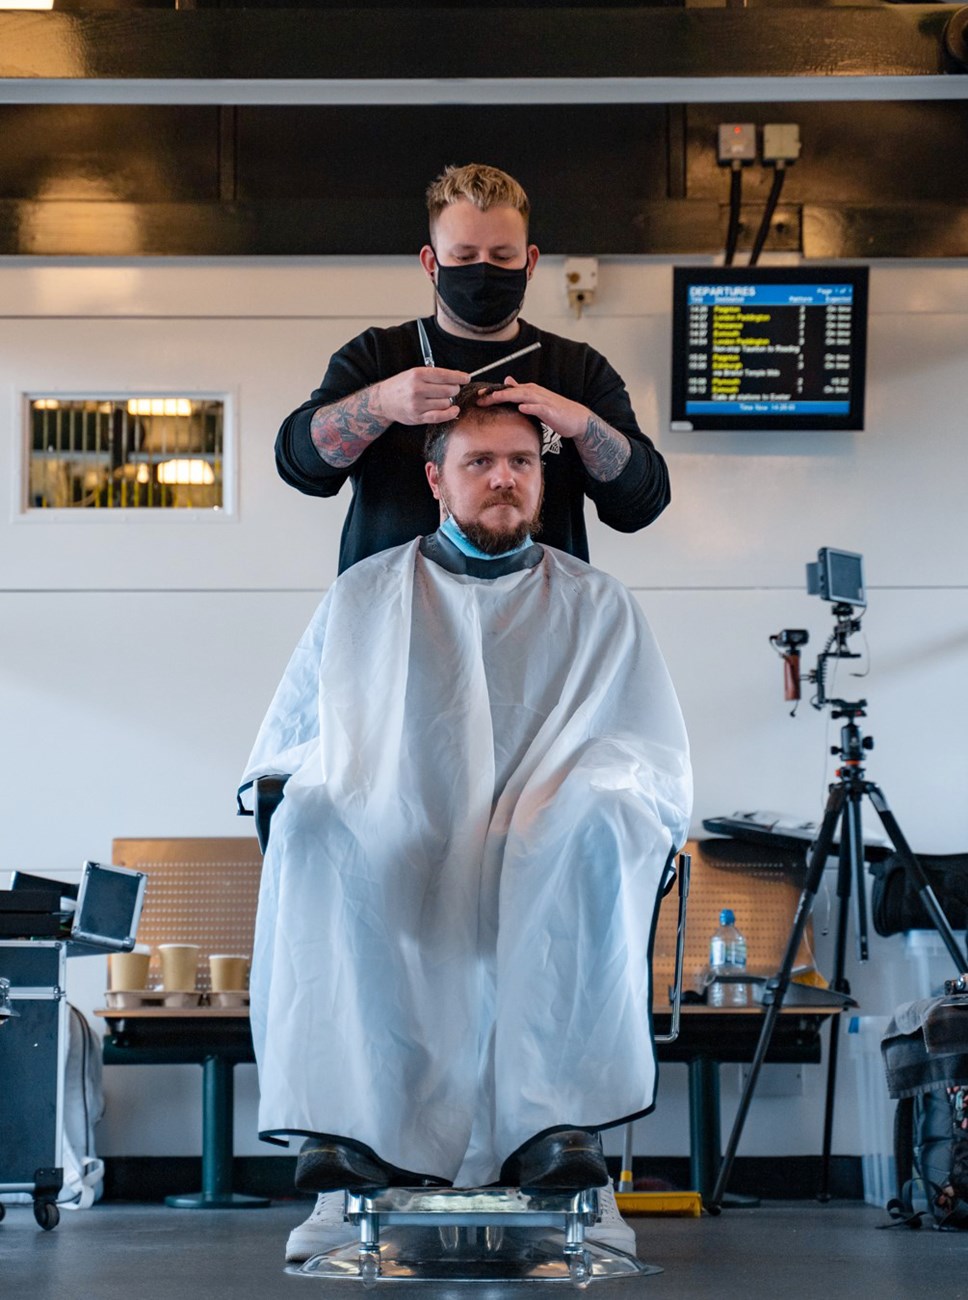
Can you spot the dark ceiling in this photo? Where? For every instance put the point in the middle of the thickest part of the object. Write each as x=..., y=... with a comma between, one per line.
x=147, y=156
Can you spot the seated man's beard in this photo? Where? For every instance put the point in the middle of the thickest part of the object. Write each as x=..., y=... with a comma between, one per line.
x=495, y=541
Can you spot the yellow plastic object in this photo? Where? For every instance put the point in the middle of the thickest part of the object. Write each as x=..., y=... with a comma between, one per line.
x=686, y=1204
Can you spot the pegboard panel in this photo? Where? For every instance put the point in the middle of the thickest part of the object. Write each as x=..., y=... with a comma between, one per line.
x=202, y=891
x=761, y=885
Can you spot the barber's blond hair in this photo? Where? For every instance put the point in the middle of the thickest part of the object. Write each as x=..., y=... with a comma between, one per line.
x=485, y=187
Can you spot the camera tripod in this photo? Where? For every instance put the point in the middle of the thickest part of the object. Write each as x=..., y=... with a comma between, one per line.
x=842, y=811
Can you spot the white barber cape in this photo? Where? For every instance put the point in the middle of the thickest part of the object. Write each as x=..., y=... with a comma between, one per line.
x=459, y=891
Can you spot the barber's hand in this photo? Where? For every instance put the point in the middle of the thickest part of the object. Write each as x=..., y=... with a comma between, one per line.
x=565, y=417
x=423, y=395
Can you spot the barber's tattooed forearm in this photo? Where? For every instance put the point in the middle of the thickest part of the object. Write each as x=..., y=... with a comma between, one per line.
x=604, y=451
x=342, y=432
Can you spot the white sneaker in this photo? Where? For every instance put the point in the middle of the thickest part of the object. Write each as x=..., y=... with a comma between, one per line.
x=325, y=1228
x=611, y=1229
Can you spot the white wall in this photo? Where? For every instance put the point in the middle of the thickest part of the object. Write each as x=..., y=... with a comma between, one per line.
x=136, y=658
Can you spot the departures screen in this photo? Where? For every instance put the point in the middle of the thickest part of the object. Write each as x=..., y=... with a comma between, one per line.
x=769, y=348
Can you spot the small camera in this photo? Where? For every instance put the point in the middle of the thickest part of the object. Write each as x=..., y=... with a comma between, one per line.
x=837, y=576
x=791, y=638
x=787, y=643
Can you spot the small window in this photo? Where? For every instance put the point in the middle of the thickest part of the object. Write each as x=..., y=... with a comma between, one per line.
x=125, y=453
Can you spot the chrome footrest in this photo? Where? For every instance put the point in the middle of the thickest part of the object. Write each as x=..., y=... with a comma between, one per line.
x=509, y=1206
x=472, y=1235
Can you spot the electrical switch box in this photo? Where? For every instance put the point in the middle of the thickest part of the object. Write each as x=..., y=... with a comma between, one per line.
x=737, y=142
x=781, y=142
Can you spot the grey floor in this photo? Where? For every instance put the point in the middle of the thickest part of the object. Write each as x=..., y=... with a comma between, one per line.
x=801, y=1249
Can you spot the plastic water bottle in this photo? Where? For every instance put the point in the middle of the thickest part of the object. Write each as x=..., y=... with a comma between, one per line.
x=727, y=956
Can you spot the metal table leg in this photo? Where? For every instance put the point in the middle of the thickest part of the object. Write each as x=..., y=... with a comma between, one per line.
x=704, y=1134
x=218, y=1099
x=705, y=1140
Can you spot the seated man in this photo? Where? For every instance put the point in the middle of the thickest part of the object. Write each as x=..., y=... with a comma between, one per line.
x=451, y=982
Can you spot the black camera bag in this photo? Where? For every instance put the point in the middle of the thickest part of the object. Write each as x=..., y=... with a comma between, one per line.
x=896, y=904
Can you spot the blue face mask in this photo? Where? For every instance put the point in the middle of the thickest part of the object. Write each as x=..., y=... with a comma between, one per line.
x=450, y=529
x=482, y=295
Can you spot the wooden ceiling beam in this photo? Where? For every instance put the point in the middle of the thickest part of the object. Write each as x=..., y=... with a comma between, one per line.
x=426, y=54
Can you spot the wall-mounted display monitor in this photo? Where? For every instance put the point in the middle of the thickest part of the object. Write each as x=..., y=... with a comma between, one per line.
x=769, y=348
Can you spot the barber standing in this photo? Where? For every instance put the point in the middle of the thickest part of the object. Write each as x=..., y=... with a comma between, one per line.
x=364, y=422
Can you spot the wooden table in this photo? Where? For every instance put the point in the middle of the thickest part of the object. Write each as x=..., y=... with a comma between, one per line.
x=710, y=1037
x=218, y=1039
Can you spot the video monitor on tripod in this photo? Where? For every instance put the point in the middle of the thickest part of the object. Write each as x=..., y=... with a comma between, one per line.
x=837, y=576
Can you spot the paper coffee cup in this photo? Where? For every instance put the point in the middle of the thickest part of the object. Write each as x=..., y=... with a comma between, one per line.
x=179, y=963
x=128, y=970
x=228, y=971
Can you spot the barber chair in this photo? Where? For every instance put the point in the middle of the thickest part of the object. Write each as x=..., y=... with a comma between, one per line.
x=475, y=1234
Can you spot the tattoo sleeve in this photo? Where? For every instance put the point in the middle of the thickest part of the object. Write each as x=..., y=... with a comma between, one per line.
x=604, y=451
x=342, y=432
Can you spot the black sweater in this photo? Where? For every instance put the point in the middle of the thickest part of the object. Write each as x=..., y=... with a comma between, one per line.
x=392, y=503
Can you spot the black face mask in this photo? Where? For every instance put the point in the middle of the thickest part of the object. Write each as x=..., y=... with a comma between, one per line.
x=481, y=295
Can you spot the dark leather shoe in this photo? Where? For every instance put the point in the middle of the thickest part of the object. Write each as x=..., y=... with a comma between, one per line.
x=567, y=1161
x=329, y=1164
